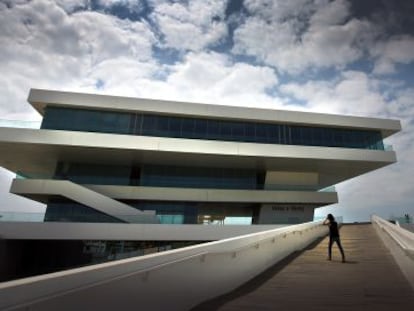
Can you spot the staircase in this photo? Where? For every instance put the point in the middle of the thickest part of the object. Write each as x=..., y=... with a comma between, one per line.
x=85, y=196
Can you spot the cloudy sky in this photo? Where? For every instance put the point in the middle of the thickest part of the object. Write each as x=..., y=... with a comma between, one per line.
x=348, y=57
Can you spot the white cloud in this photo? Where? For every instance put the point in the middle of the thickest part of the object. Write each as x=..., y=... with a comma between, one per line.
x=296, y=35
x=133, y=5
x=126, y=82
x=192, y=26
x=71, y=5
x=351, y=93
x=214, y=78
x=402, y=108
x=113, y=37
x=199, y=77
x=43, y=46
x=396, y=50
x=333, y=13
x=280, y=10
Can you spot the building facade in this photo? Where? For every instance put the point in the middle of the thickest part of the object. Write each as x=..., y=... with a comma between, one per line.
x=108, y=159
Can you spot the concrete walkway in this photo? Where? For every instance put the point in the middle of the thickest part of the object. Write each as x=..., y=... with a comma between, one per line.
x=369, y=280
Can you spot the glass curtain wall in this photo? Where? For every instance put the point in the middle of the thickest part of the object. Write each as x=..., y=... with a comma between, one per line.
x=159, y=176
x=199, y=128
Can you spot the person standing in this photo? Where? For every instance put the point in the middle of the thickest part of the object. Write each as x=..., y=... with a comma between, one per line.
x=333, y=236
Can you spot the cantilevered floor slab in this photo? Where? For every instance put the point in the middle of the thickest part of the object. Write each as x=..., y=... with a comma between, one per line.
x=370, y=280
x=47, y=147
x=40, y=190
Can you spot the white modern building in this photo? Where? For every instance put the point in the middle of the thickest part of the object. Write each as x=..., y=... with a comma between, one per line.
x=115, y=159
x=129, y=169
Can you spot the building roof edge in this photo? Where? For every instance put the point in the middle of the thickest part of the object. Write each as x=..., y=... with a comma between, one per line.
x=40, y=98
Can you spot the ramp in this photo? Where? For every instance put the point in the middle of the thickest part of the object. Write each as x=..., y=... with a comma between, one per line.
x=177, y=279
x=369, y=280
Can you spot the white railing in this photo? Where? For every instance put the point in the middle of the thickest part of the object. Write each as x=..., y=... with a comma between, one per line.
x=400, y=242
x=21, y=216
x=403, y=238
x=20, y=124
x=173, y=280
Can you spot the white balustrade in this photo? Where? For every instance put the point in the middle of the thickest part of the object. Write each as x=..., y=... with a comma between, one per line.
x=400, y=242
x=172, y=280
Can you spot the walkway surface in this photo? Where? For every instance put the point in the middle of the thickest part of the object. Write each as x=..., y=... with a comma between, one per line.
x=369, y=280
x=409, y=227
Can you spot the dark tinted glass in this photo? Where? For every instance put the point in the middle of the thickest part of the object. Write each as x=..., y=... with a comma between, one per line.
x=187, y=127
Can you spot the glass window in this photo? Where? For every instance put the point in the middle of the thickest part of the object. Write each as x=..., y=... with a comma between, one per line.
x=337, y=137
x=87, y=173
x=163, y=126
x=201, y=177
x=58, y=118
x=306, y=136
x=328, y=138
x=132, y=123
x=138, y=126
x=250, y=131
x=225, y=130
x=237, y=131
x=282, y=134
x=200, y=128
x=168, y=126
x=213, y=129
x=317, y=136
x=69, y=211
x=149, y=125
x=188, y=127
x=114, y=122
x=260, y=133
x=297, y=136
x=273, y=132
x=171, y=219
x=175, y=127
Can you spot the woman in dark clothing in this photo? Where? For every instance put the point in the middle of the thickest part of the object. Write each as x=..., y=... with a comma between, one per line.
x=333, y=236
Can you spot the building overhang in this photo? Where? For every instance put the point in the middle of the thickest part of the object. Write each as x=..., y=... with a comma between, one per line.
x=37, y=152
x=40, y=99
x=124, y=232
x=36, y=190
